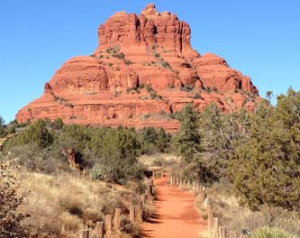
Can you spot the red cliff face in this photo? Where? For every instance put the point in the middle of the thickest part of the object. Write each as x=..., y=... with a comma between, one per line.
x=142, y=72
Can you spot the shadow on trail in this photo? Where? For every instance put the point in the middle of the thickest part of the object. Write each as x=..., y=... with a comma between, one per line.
x=155, y=219
x=176, y=215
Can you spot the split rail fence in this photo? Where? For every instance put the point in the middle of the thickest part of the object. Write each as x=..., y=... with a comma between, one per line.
x=112, y=222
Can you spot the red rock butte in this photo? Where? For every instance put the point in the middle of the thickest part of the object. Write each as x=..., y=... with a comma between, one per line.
x=142, y=72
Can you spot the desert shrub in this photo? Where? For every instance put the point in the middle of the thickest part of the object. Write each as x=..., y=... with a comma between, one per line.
x=130, y=115
x=159, y=161
x=154, y=140
x=116, y=152
x=165, y=64
x=153, y=95
x=208, y=89
x=119, y=55
x=268, y=232
x=149, y=210
x=117, y=170
x=37, y=133
x=47, y=160
x=75, y=136
x=13, y=126
x=57, y=124
x=72, y=206
x=146, y=116
x=157, y=55
x=10, y=200
x=187, y=88
x=131, y=228
x=127, y=62
x=111, y=201
x=149, y=88
x=2, y=127
x=113, y=50
x=70, y=222
x=226, y=203
x=197, y=96
x=162, y=113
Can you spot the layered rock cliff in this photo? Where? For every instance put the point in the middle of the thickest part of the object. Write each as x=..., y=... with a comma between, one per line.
x=142, y=72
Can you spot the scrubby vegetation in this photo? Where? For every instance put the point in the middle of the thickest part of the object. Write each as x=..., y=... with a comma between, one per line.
x=250, y=160
x=10, y=200
x=108, y=154
x=70, y=201
x=271, y=232
x=257, y=154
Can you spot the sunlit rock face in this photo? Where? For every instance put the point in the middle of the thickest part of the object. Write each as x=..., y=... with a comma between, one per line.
x=143, y=71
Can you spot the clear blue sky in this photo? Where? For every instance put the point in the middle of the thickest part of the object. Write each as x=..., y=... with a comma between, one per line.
x=261, y=38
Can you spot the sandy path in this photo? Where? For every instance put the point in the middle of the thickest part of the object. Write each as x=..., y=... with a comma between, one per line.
x=176, y=215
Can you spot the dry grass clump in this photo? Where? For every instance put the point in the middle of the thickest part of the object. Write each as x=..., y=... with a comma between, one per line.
x=237, y=218
x=65, y=204
x=129, y=229
x=149, y=210
x=159, y=159
x=10, y=200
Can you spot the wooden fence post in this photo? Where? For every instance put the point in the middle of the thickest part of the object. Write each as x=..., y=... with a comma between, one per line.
x=197, y=187
x=63, y=230
x=202, y=196
x=100, y=230
x=171, y=181
x=215, y=228
x=188, y=185
x=131, y=213
x=194, y=187
x=117, y=219
x=148, y=194
x=206, y=201
x=84, y=234
x=140, y=210
x=108, y=225
x=151, y=189
x=222, y=232
x=210, y=216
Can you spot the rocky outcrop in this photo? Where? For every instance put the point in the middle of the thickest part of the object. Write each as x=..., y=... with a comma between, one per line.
x=142, y=72
x=215, y=73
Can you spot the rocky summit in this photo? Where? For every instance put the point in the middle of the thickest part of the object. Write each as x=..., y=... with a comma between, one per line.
x=143, y=71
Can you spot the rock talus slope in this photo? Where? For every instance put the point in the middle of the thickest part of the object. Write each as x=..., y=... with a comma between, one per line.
x=143, y=71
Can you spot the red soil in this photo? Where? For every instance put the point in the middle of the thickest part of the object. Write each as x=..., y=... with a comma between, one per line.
x=176, y=215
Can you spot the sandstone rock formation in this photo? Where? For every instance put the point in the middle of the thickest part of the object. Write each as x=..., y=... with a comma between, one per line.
x=142, y=72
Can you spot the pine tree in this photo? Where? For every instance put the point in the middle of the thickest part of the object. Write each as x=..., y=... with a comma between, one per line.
x=187, y=140
x=266, y=167
x=2, y=127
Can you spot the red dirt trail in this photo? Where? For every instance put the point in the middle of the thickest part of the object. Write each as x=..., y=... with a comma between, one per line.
x=176, y=215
